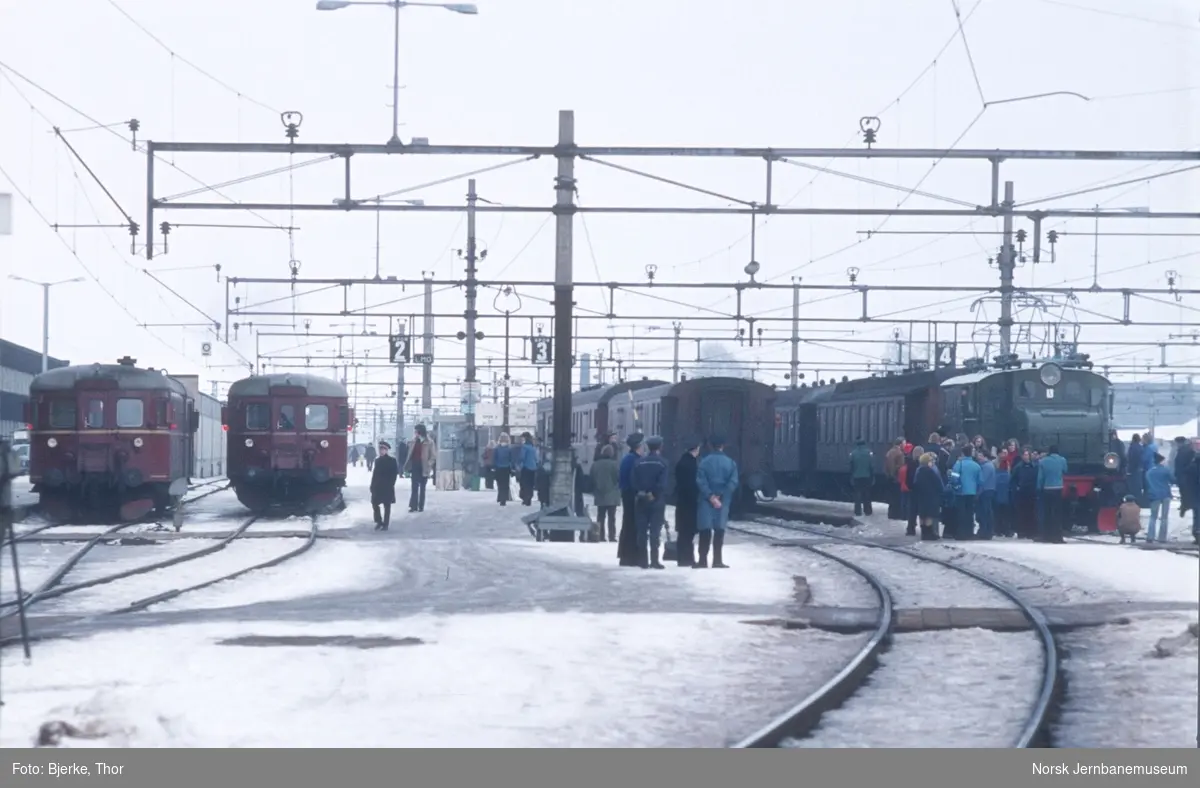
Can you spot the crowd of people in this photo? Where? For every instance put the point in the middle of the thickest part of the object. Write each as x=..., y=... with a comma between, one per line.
x=954, y=488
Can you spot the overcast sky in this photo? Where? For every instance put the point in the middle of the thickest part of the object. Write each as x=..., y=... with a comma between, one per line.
x=783, y=73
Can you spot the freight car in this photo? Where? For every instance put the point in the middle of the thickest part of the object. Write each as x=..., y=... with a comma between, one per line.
x=287, y=440
x=109, y=439
x=1057, y=403
x=692, y=411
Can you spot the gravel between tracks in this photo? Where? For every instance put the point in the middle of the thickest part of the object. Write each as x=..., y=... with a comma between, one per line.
x=916, y=583
x=957, y=688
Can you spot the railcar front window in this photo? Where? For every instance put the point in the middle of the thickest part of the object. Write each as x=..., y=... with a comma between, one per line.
x=316, y=417
x=287, y=418
x=160, y=414
x=258, y=416
x=95, y=414
x=63, y=415
x=130, y=414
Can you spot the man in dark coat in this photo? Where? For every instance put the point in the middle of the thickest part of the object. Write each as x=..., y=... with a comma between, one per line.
x=1117, y=447
x=369, y=456
x=627, y=542
x=649, y=476
x=383, y=485
x=687, y=495
x=1135, y=472
x=1185, y=455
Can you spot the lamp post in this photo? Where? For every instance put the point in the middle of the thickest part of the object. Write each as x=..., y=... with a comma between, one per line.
x=458, y=8
x=511, y=303
x=46, y=311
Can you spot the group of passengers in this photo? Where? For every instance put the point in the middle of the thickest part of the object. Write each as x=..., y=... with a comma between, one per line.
x=955, y=488
x=503, y=459
x=1149, y=478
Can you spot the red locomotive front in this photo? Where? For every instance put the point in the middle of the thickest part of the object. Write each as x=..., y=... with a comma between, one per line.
x=109, y=438
x=287, y=440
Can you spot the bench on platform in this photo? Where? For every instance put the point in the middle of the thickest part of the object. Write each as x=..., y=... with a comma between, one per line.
x=546, y=524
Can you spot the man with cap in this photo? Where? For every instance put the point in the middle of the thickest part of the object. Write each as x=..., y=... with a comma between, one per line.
x=649, y=481
x=627, y=541
x=717, y=480
x=383, y=485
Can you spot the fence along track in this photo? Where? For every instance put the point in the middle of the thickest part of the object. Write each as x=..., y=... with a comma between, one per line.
x=1037, y=722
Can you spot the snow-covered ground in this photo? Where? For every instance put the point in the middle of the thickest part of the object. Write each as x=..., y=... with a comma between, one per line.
x=915, y=583
x=508, y=680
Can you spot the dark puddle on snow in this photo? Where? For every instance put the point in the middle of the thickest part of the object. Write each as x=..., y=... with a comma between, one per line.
x=347, y=641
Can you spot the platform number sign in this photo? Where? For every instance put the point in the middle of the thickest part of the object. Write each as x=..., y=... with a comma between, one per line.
x=399, y=351
x=541, y=351
x=945, y=355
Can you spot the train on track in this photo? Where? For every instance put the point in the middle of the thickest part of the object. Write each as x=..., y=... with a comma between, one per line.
x=110, y=440
x=287, y=438
x=684, y=413
x=1059, y=403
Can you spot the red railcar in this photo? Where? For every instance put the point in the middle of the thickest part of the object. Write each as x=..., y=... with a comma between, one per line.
x=287, y=440
x=109, y=439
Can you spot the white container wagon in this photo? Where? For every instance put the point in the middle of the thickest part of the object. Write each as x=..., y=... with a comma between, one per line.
x=209, y=462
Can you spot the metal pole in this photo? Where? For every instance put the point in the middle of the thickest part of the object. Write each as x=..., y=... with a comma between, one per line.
x=506, y=376
x=562, y=481
x=1008, y=264
x=395, y=140
x=400, y=394
x=795, y=333
x=45, y=327
x=470, y=444
x=427, y=379
x=675, y=358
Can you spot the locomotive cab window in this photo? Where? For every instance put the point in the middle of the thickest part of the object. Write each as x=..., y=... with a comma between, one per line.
x=258, y=416
x=316, y=417
x=131, y=414
x=94, y=415
x=1026, y=390
x=343, y=414
x=287, y=418
x=63, y=414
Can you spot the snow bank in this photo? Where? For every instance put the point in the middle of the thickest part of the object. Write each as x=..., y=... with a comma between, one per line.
x=1143, y=574
x=512, y=680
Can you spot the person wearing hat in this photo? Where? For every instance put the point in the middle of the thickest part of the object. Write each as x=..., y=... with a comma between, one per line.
x=717, y=479
x=383, y=485
x=649, y=480
x=627, y=541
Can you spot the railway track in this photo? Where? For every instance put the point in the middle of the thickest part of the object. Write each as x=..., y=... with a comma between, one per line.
x=54, y=587
x=1182, y=549
x=803, y=719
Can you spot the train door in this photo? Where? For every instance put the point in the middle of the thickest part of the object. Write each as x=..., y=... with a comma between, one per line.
x=286, y=439
x=94, y=447
x=721, y=413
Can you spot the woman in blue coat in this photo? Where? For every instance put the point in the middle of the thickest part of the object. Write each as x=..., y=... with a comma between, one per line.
x=717, y=481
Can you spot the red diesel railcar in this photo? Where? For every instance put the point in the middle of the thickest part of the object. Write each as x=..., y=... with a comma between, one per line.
x=109, y=439
x=287, y=440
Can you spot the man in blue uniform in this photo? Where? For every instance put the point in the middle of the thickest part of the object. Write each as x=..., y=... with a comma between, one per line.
x=649, y=482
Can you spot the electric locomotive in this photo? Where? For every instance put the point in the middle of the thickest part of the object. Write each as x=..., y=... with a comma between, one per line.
x=287, y=440
x=109, y=439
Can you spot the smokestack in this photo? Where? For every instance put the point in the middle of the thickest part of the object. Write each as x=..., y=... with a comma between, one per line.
x=585, y=370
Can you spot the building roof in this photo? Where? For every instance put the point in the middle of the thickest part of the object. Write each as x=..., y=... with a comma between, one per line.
x=261, y=385
x=22, y=359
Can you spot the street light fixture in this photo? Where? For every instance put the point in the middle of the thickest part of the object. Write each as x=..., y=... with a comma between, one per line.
x=46, y=310
x=469, y=9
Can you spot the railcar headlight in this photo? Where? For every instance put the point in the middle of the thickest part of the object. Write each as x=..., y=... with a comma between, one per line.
x=1051, y=374
x=1111, y=461
x=138, y=443
x=249, y=443
x=324, y=444
x=52, y=442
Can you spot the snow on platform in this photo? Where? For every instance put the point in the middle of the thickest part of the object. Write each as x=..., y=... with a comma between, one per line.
x=508, y=680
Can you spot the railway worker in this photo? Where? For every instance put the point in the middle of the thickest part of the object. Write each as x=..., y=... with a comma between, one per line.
x=969, y=477
x=893, y=461
x=1158, y=490
x=627, y=544
x=687, y=499
x=489, y=472
x=1185, y=455
x=1051, y=470
x=606, y=491
x=1129, y=519
x=986, y=505
x=927, y=496
x=908, y=473
x=528, y=467
x=369, y=456
x=383, y=486
x=503, y=468
x=420, y=465
x=649, y=478
x=1003, y=500
x=717, y=480
x=862, y=474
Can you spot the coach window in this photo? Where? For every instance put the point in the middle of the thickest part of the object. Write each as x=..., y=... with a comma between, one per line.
x=316, y=417
x=63, y=414
x=131, y=414
x=95, y=414
x=258, y=416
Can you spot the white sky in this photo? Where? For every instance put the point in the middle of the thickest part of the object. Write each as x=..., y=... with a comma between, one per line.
x=759, y=72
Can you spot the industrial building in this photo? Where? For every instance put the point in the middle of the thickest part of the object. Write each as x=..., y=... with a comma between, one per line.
x=18, y=367
x=1145, y=405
